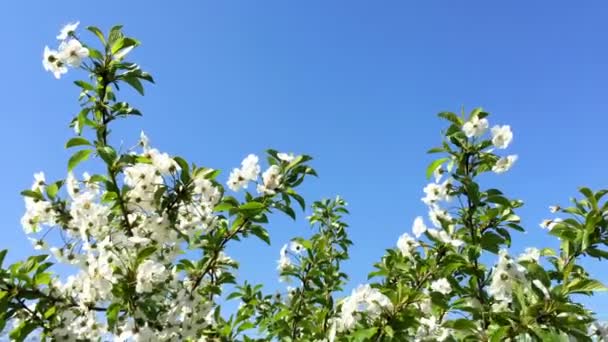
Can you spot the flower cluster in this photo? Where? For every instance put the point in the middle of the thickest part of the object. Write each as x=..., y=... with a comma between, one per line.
x=364, y=302
x=69, y=54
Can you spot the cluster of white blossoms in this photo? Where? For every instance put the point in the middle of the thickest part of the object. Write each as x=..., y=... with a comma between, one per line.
x=364, y=301
x=70, y=52
x=249, y=171
x=95, y=241
x=501, y=139
x=509, y=272
x=442, y=286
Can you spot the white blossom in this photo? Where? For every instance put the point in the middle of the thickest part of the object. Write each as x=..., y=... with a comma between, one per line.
x=418, y=227
x=549, y=224
x=502, y=136
x=67, y=30
x=286, y=157
x=362, y=299
x=249, y=171
x=284, y=260
x=296, y=247
x=504, y=164
x=442, y=286
x=436, y=192
x=475, y=127
x=53, y=62
x=444, y=237
x=271, y=180
x=504, y=275
x=72, y=52
x=530, y=254
x=149, y=273
x=437, y=214
x=163, y=162
x=406, y=244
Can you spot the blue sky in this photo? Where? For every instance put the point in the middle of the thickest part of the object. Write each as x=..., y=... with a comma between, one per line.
x=356, y=84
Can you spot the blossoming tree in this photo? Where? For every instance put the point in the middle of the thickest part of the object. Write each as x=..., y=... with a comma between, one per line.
x=146, y=240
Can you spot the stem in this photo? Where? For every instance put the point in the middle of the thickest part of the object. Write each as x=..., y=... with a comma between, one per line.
x=471, y=225
x=216, y=253
x=296, y=315
x=106, y=118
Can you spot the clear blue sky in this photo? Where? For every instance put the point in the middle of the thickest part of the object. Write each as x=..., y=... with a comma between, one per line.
x=356, y=84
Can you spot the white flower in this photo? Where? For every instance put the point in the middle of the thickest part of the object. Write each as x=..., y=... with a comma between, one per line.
x=444, y=237
x=549, y=224
x=501, y=136
x=530, y=254
x=554, y=208
x=406, y=244
x=272, y=180
x=144, y=141
x=437, y=173
x=296, y=247
x=504, y=275
x=504, y=164
x=67, y=30
x=475, y=127
x=436, y=192
x=284, y=261
x=149, y=273
x=418, y=228
x=236, y=181
x=72, y=52
x=39, y=181
x=52, y=62
x=442, y=286
x=38, y=244
x=163, y=162
x=239, y=178
x=436, y=215
x=250, y=168
x=599, y=329
x=363, y=299
x=286, y=157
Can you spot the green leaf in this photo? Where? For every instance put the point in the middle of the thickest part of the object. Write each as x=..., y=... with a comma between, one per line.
x=115, y=34
x=361, y=335
x=123, y=43
x=22, y=331
x=33, y=194
x=261, y=233
x=433, y=166
x=108, y=154
x=98, y=33
x=53, y=189
x=584, y=286
x=2, y=256
x=491, y=242
x=77, y=141
x=77, y=158
x=451, y=117
x=499, y=334
x=135, y=83
x=42, y=279
x=112, y=314
x=144, y=253
x=84, y=85
x=252, y=208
